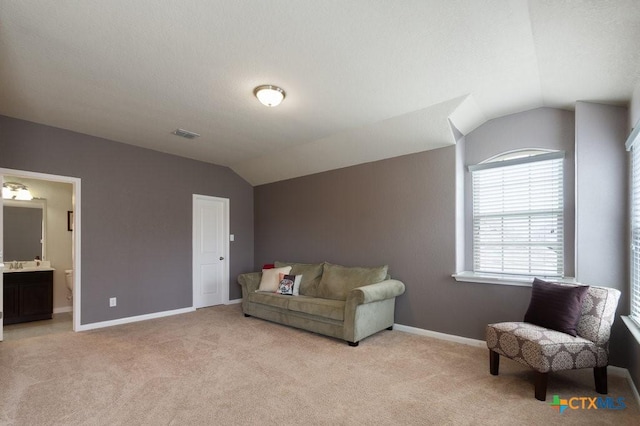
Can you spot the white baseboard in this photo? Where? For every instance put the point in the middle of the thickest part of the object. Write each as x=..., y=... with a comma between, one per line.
x=120, y=321
x=613, y=370
x=63, y=309
x=441, y=336
x=127, y=320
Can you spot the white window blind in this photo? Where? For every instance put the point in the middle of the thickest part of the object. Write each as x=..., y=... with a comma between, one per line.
x=634, y=144
x=518, y=216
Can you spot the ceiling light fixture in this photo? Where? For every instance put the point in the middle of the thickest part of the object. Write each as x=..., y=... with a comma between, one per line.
x=16, y=191
x=269, y=95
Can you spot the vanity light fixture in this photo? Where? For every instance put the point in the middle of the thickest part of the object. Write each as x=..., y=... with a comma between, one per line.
x=269, y=95
x=16, y=191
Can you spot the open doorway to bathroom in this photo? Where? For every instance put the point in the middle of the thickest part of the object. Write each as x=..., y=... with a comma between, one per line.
x=59, y=250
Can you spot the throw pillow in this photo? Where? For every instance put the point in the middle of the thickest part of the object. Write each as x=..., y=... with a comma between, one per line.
x=555, y=306
x=290, y=284
x=271, y=278
x=311, y=274
x=337, y=281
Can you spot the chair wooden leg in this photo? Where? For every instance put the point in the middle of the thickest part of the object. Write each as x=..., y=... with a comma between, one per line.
x=494, y=362
x=600, y=376
x=541, y=386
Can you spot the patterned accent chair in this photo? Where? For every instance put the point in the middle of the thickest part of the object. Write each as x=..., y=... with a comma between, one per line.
x=547, y=350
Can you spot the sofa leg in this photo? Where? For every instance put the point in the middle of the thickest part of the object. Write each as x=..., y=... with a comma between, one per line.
x=247, y=315
x=353, y=343
x=494, y=362
x=390, y=328
x=600, y=375
x=541, y=386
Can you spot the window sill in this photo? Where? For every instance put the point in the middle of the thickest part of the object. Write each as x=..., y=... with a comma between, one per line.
x=633, y=327
x=482, y=278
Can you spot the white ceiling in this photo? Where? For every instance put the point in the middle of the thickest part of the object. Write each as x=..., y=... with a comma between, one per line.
x=365, y=79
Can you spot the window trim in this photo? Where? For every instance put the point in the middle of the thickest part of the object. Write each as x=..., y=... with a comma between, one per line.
x=504, y=279
x=632, y=321
x=491, y=163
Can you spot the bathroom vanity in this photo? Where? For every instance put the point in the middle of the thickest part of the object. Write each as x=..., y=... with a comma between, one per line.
x=28, y=295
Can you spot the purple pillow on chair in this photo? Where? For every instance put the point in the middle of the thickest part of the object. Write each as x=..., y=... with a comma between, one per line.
x=554, y=306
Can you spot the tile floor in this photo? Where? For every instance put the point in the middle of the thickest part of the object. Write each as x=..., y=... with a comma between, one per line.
x=60, y=323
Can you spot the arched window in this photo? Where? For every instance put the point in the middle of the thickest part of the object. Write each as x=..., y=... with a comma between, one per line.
x=518, y=214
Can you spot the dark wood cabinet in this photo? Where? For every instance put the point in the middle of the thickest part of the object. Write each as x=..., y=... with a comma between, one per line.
x=28, y=296
x=10, y=305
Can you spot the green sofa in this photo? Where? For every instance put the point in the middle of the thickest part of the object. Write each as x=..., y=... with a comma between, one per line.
x=337, y=301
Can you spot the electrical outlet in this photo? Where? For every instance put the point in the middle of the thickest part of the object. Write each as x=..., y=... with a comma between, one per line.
x=112, y=302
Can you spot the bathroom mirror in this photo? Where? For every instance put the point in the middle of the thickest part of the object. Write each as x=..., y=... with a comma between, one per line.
x=24, y=229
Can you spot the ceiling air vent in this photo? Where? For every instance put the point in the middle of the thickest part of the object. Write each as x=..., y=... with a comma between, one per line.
x=185, y=134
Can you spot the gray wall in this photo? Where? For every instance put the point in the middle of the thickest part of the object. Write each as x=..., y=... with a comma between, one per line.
x=634, y=108
x=402, y=212
x=398, y=212
x=602, y=207
x=136, y=216
x=601, y=195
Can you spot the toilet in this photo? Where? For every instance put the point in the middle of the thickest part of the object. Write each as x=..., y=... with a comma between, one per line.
x=68, y=276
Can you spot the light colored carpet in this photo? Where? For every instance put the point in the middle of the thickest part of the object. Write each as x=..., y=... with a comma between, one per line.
x=215, y=367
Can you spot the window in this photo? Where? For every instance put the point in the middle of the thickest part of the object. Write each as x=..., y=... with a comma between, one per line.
x=518, y=214
x=633, y=144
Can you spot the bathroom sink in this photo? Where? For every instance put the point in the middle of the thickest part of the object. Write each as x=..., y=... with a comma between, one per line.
x=29, y=266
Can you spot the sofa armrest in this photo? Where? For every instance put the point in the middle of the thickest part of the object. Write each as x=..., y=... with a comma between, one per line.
x=249, y=282
x=370, y=308
x=383, y=290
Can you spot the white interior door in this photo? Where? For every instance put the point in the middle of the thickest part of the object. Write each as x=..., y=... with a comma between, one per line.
x=210, y=251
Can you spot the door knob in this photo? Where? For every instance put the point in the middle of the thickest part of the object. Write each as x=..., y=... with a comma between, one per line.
x=221, y=258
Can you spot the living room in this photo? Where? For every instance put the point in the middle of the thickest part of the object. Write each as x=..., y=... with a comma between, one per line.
x=409, y=210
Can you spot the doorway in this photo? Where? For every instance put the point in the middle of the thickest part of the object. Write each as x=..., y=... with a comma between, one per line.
x=210, y=251
x=75, y=238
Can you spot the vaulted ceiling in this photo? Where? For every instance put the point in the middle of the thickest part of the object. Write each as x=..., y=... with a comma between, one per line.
x=365, y=79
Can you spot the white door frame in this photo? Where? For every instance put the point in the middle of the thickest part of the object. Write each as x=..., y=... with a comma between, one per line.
x=75, y=244
x=225, y=232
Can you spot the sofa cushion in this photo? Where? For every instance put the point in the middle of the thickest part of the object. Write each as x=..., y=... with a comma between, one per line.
x=311, y=274
x=554, y=306
x=326, y=308
x=270, y=280
x=271, y=299
x=337, y=281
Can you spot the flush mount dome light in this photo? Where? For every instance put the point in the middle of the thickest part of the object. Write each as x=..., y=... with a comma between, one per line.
x=269, y=95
